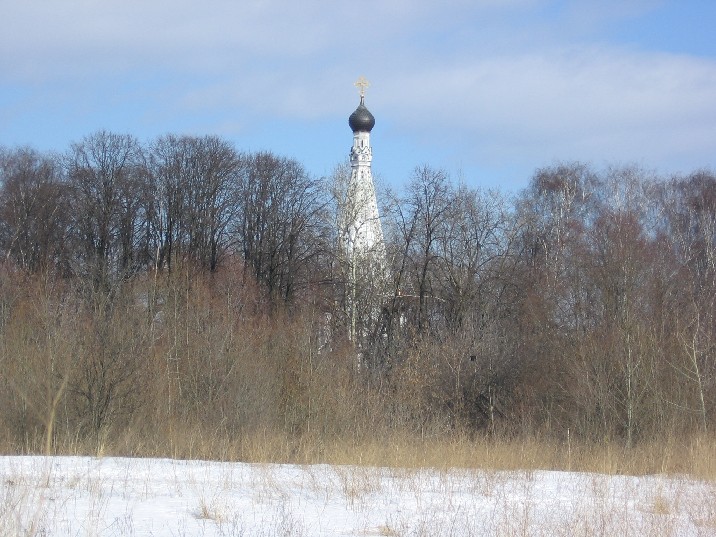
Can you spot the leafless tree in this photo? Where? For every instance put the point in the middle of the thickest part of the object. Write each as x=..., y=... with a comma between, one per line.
x=194, y=183
x=279, y=225
x=105, y=173
x=33, y=210
x=420, y=219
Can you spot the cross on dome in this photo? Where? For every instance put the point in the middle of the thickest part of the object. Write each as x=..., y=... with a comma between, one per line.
x=362, y=84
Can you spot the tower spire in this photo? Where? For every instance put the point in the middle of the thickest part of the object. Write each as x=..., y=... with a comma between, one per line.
x=361, y=233
x=364, y=234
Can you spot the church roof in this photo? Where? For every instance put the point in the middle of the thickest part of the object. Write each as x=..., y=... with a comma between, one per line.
x=361, y=120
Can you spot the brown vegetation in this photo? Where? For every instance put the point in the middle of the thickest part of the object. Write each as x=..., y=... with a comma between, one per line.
x=186, y=300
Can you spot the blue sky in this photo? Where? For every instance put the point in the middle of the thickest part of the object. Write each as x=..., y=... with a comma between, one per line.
x=489, y=90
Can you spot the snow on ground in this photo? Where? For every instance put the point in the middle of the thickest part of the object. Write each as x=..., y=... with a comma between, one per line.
x=80, y=496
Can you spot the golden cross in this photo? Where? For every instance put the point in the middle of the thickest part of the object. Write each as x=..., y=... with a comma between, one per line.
x=362, y=84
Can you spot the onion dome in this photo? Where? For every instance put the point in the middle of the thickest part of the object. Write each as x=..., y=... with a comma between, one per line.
x=361, y=120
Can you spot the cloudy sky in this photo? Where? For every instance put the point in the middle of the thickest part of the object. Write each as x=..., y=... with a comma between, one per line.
x=488, y=90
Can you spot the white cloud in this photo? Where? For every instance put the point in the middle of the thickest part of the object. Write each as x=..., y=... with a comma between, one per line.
x=498, y=80
x=50, y=38
x=594, y=102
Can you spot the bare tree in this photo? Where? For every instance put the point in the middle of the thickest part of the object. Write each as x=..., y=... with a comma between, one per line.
x=33, y=210
x=194, y=198
x=689, y=205
x=474, y=242
x=105, y=173
x=279, y=228
x=421, y=218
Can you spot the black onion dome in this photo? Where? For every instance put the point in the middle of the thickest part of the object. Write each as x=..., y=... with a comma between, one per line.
x=361, y=120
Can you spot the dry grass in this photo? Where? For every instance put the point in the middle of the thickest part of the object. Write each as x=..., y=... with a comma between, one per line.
x=694, y=456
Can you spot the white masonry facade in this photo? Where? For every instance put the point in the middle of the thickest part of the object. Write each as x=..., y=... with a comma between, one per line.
x=362, y=234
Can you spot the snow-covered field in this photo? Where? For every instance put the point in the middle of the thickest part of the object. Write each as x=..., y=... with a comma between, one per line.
x=81, y=496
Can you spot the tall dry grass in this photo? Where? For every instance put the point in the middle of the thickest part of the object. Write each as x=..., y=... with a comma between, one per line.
x=695, y=456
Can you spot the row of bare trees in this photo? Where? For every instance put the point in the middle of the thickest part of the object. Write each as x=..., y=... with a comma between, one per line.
x=183, y=281
x=110, y=209
x=586, y=303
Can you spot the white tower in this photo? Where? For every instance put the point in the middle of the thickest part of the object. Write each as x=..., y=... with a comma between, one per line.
x=361, y=232
x=364, y=235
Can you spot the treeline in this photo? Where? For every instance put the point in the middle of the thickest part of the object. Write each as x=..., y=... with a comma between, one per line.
x=151, y=289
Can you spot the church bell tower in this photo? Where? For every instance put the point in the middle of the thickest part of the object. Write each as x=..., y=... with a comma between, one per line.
x=364, y=232
x=361, y=232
